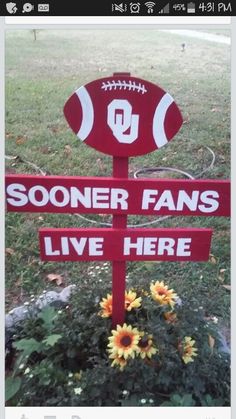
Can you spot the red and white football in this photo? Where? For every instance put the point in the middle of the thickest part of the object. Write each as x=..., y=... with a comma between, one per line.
x=123, y=115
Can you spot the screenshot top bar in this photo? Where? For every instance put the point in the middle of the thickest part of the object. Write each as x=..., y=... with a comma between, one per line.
x=118, y=8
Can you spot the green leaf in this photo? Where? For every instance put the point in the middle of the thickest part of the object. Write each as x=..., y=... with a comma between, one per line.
x=176, y=399
x=28, y=346
x=48, y=315
x=52, y=340
x=187, y=400
x=12, y=386
x=209, y=401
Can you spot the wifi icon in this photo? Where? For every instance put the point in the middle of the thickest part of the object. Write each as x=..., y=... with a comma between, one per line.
x=150, y=6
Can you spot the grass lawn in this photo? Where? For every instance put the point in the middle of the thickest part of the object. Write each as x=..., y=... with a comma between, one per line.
x=42, y=74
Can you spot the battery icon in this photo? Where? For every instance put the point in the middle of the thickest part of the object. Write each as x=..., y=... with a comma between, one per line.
x=191, y=7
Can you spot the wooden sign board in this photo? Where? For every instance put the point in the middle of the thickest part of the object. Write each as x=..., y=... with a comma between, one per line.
x=125, y=245
x=26, y=193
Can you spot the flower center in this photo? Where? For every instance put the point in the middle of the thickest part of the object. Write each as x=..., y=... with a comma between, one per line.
x=126, y=340
x=162, y=292
x=143, y=343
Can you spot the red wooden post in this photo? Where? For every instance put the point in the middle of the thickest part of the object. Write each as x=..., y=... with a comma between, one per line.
x=120, y=170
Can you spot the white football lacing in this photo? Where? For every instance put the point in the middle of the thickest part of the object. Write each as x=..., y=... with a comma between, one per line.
x=123, y=84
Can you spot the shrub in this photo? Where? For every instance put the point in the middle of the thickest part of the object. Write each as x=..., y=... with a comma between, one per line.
x=166, y=354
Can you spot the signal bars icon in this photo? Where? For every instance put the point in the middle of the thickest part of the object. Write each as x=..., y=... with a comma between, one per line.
x=165, y=9
x=150, y=5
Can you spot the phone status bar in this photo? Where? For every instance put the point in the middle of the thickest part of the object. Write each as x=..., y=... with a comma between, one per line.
x=118, y=8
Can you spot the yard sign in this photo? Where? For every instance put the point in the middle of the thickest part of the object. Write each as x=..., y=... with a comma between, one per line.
x=121, y=116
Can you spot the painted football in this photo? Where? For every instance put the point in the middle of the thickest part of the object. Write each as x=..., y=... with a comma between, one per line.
x=123, y=115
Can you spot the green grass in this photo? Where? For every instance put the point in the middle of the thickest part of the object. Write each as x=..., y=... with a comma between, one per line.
x=42, y=74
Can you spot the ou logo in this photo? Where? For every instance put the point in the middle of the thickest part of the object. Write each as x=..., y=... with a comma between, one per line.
x=120, y=119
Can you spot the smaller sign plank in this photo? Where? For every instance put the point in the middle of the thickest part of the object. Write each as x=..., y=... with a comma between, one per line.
x=58, y=194
x=165, y=244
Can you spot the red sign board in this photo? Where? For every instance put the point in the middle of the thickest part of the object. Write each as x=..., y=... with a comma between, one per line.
x=123, y=115
x=122, y=245
x=26, y=193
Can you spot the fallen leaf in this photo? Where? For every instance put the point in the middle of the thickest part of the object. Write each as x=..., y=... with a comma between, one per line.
x=67, y=149
x=54, y=129
x=227, y=287
x=10, y=251
x=212, y=259
x=45, y=150
x=59, y=281
x=21, y=139
x=186, y=120
x=100, y=164
x=55, y=277
x=9, y=135
x=211, y=342
x=221, y=277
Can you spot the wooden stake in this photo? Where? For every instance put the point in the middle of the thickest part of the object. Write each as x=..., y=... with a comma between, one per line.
x=120, y=170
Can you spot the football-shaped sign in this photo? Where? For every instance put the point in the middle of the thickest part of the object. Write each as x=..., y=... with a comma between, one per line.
x=123, y=115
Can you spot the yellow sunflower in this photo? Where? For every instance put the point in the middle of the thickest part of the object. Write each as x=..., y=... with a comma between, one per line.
x=162, y=294
x=106, y=305
x=188, y=350
x=131, y=300
x=118, y=361
x=124, y=341
x=145, y=346
x=170, y=317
